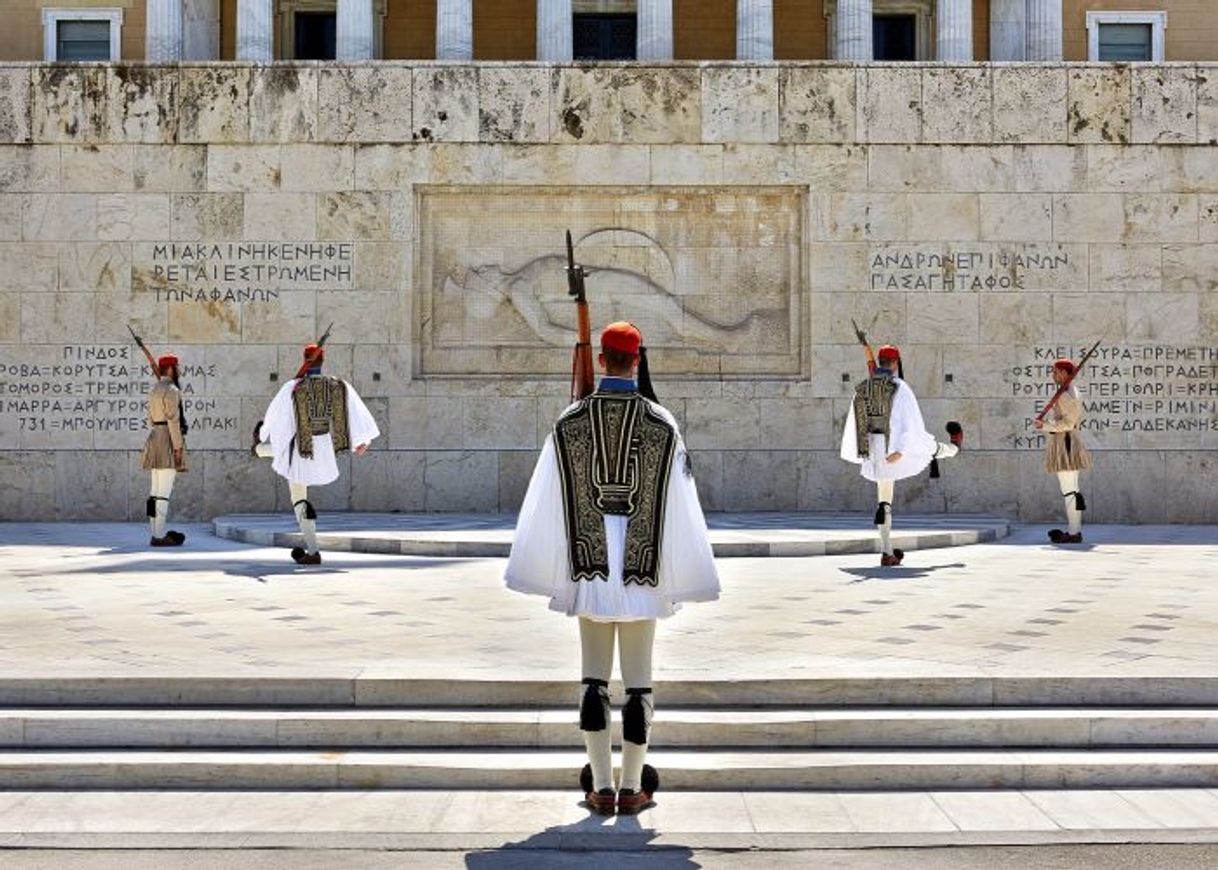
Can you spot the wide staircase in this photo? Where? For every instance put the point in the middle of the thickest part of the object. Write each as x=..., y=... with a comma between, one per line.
x=819, y=734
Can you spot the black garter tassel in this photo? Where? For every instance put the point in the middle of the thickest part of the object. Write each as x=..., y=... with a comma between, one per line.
x=934, y=468
x=150, y=506
x=879, y=513
x=592, y=708
x=1079, y=502
x=634, y=717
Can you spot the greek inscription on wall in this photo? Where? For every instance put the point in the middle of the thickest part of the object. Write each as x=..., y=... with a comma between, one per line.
x=65, y=396
x=238, y=272
x=1127, y=391
x=973, y=269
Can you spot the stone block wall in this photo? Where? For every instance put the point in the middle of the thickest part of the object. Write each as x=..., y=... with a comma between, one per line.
x=985, y=218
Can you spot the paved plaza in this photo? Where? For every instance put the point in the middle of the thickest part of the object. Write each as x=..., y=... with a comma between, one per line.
x=91, y=599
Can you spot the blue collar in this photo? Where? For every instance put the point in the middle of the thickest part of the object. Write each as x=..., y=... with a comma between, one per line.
x=882, y=372
x=613, y=384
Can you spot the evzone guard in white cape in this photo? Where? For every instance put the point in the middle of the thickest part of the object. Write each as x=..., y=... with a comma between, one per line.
x=611, y=532
x=1065, y=454
x=886, y=438
x=310, y=421
x=164, y=453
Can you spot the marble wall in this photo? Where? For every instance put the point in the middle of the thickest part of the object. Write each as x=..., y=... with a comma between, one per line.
x=985, y=218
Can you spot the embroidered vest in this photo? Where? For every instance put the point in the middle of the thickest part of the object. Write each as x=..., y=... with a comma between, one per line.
x=873, y=410
x=320, y=404
x=614, y=455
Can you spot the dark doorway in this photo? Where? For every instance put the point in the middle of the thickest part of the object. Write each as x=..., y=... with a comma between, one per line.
x=606, y=37
x=315, y=37
x=895, y=36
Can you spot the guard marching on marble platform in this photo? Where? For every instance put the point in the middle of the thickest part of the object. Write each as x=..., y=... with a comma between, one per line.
x=886, y=437
x=312, y=418
x=612, y=532
x=164, y=453
x=1065, y=453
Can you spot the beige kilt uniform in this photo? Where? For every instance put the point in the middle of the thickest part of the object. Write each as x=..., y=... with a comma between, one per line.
x=1065, y=450
x=165, y=433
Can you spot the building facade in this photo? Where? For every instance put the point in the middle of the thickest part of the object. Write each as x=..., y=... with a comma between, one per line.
x=644, y=30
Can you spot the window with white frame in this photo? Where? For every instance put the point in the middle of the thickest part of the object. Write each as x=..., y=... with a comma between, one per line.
x=82, y=34
x=1126, y=36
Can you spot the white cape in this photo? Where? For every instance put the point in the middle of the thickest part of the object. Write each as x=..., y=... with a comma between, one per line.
x=279, y=428
x=907, y=436
x=540, y=564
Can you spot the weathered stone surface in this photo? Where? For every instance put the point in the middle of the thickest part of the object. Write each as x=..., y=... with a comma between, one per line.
x=29, y=168
x=949, y=217
x=817, y=104
x=275, y=216
x=1030, y=104
x=445, y=104
x=1208, y=216
x=68, y=103
x=1164, y=104
x=1161, y=317
x=890, y=104
x=626, y=104
x=1190, y=170
x=1099, y=104
x=365, y=103
x=172, y=169
x=831, y=167
x=1050, y=169
x=1207, y=104
x=1151, y=217
x=97, y=168
x=739, y=104
x=1124, y=168
x=461, y=481
x=353, y=215
x=1095, y=217
x=1126, y=267
x=1190, y=267
x=142, y=104
x=686, y=164
x=215, y=103
x=59, y=217
x=131, y=217
x=207, y=216
x=958, y=105
x=243, y=168
x=514, y=104
x=283, y=104
x=14, y=105
x=1016, y=217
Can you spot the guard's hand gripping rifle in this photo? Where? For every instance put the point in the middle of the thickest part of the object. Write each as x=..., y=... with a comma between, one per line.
x=581, y=361
x=156, y=370
x=1061, y=390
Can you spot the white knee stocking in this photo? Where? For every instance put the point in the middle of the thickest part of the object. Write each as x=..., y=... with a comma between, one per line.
x=162, y=487
x=300, y=504
x=1068, y=481
x=885, y=490
x=596, y=644
x=946, y=451
x=637, y=640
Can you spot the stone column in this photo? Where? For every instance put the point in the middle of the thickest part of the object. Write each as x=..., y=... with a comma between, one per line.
x=201, y=30
x=1044, y=30
x=163, y=31
x=1007, y=26
x=555, y=30
x=854, y=38
x=354, y=38
x=255, y=31
x=454, y=29
x=655, y=30
x=754, y=29
x=954, y=30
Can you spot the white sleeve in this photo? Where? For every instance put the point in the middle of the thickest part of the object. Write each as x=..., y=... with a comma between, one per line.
x=360, y=422
x=850, y=442
x=539, y=563
x=279, y=422
x=687, y=570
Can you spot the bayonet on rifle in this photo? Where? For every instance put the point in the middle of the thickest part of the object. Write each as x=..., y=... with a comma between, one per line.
x=581, y=360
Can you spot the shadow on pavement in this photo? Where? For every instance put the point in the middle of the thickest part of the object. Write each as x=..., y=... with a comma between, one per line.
x=620, y=841
x=900, y=572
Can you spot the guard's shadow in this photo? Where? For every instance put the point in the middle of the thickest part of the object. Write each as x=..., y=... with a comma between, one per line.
x=897, y=572
x=623, y=837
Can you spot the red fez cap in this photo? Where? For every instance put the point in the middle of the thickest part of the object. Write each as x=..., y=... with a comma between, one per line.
x=166, y=361
x=1065, y=365
x=622, y=337
x=314, y=353
x=888, y=352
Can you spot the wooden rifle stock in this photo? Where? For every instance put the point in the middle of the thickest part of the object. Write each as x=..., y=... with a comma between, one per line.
x=582, y=383
x=1061, y=391
x=862, y=337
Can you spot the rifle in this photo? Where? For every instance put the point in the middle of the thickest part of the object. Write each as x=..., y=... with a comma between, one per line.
x=309, y=361
x=1062, y=389
x=581, y=360
x=862, y=337
x=156, y=370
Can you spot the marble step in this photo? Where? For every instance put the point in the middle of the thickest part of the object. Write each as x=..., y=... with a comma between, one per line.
x=47, y=728
x=369, y=688
x=737, y=770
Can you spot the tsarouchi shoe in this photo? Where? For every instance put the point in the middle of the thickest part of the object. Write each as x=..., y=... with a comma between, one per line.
x=177, y=536
x=171, y=539
x=887, y=561
x=300, y=557
x=601, y=802
x=630, y=802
